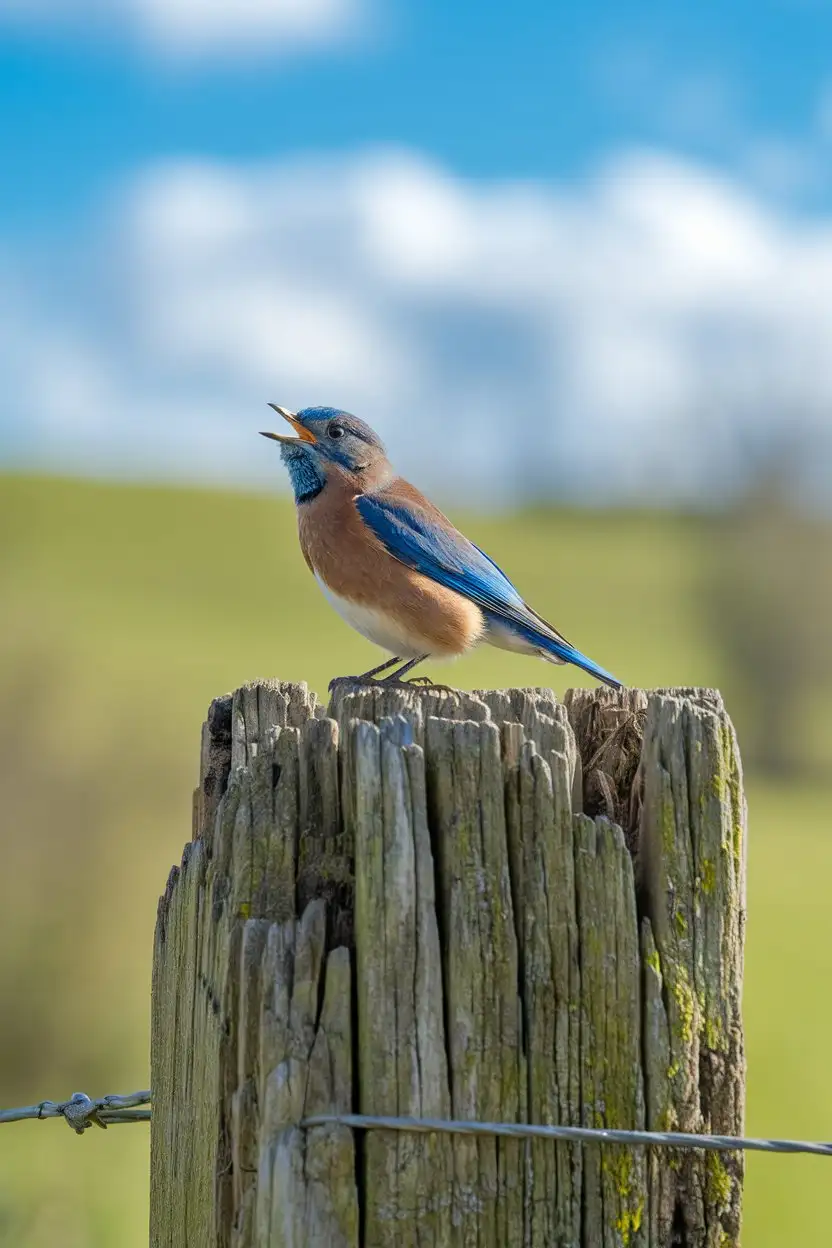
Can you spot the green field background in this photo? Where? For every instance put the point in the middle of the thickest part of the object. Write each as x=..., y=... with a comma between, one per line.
x=123, y=611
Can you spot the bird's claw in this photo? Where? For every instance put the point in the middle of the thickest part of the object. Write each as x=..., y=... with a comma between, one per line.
x=430, y=685
x=350, y=680
x=420, y=684
x=423, y=683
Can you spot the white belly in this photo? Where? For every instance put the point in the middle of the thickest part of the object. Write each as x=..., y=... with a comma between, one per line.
x=377, y=627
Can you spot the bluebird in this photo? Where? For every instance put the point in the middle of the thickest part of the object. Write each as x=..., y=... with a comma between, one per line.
x=392, y=564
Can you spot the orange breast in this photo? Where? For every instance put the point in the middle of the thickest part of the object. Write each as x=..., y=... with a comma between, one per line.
x=356, y=565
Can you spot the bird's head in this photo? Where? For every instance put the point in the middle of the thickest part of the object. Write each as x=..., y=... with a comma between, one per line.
x=327, y=440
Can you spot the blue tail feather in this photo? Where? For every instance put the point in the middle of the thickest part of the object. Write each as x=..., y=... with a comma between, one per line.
x=571, y=655
x=561, y=649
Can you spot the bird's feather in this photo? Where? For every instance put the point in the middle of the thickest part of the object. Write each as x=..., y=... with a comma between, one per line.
x=420, y=536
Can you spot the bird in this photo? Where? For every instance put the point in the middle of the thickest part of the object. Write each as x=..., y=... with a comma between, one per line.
x=392, y=565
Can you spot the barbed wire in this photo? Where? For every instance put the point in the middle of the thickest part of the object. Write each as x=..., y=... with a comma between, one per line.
x=81, y=1111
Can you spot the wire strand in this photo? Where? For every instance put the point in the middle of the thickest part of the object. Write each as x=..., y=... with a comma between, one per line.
x=585, y=1135
x=81, y=1111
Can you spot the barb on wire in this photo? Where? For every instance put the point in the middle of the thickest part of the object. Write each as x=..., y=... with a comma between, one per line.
x=80, y=1111
x=586, y=1135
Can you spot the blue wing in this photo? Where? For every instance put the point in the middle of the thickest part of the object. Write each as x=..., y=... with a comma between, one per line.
x=423, y=539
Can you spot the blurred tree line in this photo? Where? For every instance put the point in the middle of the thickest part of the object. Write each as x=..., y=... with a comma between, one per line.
x=768, y=604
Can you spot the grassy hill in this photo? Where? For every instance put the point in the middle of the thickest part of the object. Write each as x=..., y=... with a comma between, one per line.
x=124, y=611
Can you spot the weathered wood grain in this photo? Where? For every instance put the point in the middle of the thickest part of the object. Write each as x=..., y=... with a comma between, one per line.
x=482, y=1001
x=397, y=905
x=251, y=1023
x=402, y=1061
x=692, y=866
x=541, y=851
x=612, y=1091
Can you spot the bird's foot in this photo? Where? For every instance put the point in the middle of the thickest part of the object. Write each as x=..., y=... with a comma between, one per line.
x=416, y=684
x=421, y=684
x=355, y=681
x=427, y=683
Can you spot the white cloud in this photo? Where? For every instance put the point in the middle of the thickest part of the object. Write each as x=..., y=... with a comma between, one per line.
x=191, y=28
x=634, y=335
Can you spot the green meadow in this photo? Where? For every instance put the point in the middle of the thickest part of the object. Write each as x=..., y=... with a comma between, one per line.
x=123, y=611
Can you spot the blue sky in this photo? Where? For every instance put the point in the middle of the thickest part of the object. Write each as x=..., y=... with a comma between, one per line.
x=662, y=136
x=533, y=90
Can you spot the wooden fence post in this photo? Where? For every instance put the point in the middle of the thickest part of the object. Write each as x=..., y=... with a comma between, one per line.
x=490, y=906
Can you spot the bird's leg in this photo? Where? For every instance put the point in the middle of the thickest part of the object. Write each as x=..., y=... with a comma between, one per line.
x=396, y=677
x=367, y=678
x=382, y=667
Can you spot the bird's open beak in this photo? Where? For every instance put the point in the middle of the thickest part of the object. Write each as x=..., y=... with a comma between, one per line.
x=304, y=434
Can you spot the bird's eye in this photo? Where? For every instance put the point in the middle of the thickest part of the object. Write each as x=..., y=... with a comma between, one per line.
x=336, y=431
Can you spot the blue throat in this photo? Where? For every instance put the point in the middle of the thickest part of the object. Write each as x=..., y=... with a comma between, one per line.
x=305, y=472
